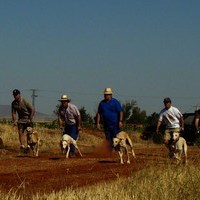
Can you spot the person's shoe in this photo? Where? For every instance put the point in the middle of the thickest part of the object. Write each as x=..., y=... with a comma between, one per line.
x=72, y=155
x=171, y=154
x=27, y=149
x=173, y=147
x=22, y=148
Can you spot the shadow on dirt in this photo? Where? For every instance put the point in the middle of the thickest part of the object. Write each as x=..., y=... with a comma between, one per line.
x=107, y=161
x=55, y=158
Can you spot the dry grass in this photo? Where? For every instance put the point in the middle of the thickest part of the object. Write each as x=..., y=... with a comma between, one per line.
x=148, y=184
x=50, y=137
x=153, y=183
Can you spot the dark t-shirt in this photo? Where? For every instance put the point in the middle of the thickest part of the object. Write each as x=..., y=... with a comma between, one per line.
x=22, y=108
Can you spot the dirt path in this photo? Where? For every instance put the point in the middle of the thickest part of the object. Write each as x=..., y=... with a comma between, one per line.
x=50, y=171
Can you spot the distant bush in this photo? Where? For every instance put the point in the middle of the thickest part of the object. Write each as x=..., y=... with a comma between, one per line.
x=48, y=124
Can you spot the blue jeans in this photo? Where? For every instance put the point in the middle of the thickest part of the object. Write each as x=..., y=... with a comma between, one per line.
x=73, y=132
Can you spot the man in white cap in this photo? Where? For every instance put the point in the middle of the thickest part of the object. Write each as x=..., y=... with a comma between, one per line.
x=111, y=114
x=69, y=117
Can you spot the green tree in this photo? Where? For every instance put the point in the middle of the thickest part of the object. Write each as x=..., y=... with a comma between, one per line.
x=132, y=113
x=85, y=117
x=138, y=116
x=127, y=108
x=152, y=119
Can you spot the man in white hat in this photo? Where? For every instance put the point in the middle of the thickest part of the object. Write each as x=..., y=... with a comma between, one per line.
x=69, y=117
x=111, y=114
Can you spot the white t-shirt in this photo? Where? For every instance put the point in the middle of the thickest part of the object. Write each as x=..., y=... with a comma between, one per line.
x=171, y=117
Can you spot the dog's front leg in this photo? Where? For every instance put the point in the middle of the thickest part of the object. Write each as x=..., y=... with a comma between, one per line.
x=37, y=148
x=34, y=151
x=185, y=159
x=121, y=157
x=178, y=156
x=68, y=149
x=128, y=157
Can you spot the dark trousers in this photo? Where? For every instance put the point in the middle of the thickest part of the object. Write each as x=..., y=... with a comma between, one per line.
x=110, y=133
x=73, y=132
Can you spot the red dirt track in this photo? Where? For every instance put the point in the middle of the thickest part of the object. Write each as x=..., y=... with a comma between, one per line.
x=53, y=172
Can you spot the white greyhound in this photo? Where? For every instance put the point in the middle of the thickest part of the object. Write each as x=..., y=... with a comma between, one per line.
x=121, y=143
x=65, y=143
x=179, y=146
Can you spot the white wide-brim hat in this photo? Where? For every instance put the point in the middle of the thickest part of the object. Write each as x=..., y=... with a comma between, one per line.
x=107, y=91
x=64, y=98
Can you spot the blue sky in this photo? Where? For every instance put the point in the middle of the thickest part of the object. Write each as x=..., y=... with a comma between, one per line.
x=144, y=50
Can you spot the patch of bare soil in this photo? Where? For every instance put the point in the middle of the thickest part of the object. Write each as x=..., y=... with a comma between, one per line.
x=53, y=172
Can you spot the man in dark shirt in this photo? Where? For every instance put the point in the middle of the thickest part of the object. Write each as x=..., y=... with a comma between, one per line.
x=25, y=112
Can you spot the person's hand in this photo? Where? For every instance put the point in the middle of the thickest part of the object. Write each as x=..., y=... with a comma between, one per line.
x=79, y=128
x=62, y=130
x=120, y=124
x=15, y=123
x=29, y=121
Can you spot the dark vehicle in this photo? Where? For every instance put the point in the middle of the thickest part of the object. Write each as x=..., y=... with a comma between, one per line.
x=189, y=132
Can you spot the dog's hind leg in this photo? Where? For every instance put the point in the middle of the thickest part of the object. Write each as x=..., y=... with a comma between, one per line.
x=128, y=157
x=131, y=145
x=79, y=151
x=121, y=157
x=185, y=153
x=37, y=148
x=133, y=153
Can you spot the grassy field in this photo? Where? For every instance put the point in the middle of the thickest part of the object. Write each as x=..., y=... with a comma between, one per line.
x=151, y=183
x=165, y=182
